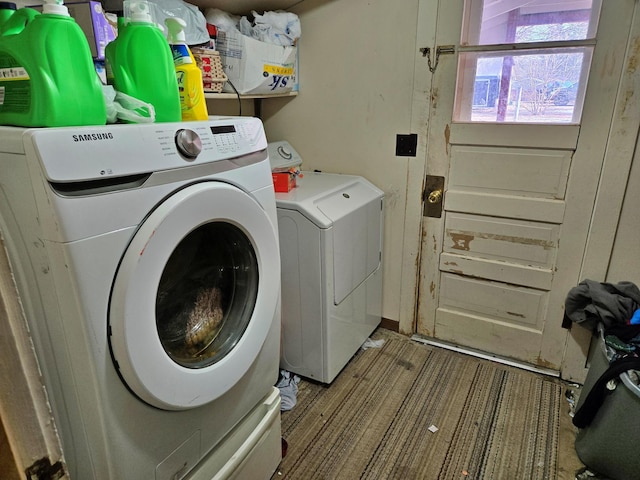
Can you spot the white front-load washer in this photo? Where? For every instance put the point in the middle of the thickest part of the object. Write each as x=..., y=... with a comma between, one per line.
x=147, y=261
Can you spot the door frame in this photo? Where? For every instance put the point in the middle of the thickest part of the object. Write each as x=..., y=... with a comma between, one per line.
x=620, y=150
x=417, y=169
x=25, y=411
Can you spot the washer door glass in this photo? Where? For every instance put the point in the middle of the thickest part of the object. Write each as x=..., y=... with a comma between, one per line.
x=195, y=296
x=207, y=294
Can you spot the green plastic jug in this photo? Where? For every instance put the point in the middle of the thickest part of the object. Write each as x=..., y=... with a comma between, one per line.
x=47, y=76
x=139, y=63
x=6, y=10
x=15, y=22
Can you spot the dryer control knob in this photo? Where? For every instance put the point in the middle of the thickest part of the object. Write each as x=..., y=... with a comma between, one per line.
x=285, y=152
x=188, y=142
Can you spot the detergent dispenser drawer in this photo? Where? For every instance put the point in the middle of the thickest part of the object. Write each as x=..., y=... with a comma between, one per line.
x=357, y=214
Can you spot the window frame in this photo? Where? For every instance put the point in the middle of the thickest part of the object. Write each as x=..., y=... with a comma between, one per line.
x=468, y=54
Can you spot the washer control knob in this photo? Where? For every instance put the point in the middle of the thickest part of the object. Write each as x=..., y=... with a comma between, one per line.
x=188, y=142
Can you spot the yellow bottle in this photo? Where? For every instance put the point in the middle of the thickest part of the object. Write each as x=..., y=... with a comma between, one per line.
x=192, y=101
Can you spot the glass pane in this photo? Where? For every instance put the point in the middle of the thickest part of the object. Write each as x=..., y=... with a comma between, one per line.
x=207, y=294
x=535, y=86
x=492, y=22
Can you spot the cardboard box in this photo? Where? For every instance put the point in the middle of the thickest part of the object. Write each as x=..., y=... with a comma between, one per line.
x=99, y=32
x=283, y=182
x=255, y=67
x=94, y=24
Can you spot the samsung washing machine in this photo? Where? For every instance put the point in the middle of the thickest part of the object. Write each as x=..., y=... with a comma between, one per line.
x=331, y=229
x=147, y=261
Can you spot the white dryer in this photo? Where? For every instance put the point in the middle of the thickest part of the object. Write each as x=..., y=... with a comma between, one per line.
x=331, y=252
x=147, y=261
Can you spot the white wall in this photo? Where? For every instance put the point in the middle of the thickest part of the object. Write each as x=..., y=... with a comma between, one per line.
x=625, y=260
x=356, y=81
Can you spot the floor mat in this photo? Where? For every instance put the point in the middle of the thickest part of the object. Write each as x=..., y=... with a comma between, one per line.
x=413, y=411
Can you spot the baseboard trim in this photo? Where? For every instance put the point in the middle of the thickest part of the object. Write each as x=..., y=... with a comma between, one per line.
x=485, y=355
x=392, y=325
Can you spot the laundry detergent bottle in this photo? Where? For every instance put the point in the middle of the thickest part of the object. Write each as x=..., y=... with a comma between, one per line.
x=16, y=21
x=47, y=76
x=6, y=10
x=139, y=63
x=189, y=76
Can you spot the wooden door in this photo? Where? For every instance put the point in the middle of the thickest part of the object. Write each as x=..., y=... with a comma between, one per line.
x=520, y=154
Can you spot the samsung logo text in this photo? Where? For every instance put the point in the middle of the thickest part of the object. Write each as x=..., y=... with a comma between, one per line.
x=90, y=137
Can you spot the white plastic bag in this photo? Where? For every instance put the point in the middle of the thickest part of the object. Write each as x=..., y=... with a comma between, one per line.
x=196, y=30
x=126, y=108
x=222, y=20
x=278, y=28
x=109, y=95
x=132, y=110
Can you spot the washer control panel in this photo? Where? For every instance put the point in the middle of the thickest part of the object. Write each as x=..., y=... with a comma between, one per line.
x=92, y=152
x=226, y=138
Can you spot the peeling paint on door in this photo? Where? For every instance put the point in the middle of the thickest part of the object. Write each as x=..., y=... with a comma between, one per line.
x=461, y=241
x=634, y=58
x=434, y=98
x=630, y=102
x=455, y=236
x=447, y=137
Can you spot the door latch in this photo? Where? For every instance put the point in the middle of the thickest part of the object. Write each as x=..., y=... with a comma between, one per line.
x=440, y=50
x=433, y=196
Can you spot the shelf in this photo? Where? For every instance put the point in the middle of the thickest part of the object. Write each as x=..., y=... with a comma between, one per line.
x=243, y=7
x=233, y=96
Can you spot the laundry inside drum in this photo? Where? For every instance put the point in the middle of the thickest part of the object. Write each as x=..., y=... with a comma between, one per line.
x=206, y=295
x=189, y=323
x=205, y=320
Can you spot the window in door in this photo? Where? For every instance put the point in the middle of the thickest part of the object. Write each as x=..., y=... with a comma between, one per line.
x=525, y=61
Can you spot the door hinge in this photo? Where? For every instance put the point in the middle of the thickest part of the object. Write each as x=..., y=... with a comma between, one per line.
x=43, y=470
x=440, y=50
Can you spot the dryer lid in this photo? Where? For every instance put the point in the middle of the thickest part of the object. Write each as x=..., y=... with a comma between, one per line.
x=346, y=199
x=326, y=197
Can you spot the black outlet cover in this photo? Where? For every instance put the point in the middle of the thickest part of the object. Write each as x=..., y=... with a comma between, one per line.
x=406, y=145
